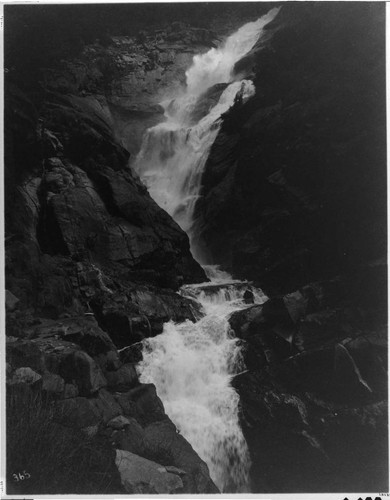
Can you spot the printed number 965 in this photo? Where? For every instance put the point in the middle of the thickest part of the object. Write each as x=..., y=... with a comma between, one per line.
x=21, y=476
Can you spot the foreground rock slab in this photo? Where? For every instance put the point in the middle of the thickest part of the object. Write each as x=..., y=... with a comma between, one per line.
x=139, y=475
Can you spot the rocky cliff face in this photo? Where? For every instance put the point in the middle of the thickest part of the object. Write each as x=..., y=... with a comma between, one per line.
x=93, y=264
x=314, y=398
x=294, y=189
x=127, y=76
x=75, y=211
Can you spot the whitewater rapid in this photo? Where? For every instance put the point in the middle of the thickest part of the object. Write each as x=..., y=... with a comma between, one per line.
x=192, y=364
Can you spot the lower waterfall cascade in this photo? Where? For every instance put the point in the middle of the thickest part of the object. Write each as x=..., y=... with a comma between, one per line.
x=192, y=364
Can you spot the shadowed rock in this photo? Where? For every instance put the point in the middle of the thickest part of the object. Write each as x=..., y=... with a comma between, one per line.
x=142, y=476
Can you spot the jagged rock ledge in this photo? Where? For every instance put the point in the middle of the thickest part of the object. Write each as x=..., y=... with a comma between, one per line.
x=314, y=396
x=74, y=368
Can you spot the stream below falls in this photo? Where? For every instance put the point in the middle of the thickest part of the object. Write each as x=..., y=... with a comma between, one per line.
x=192, y=365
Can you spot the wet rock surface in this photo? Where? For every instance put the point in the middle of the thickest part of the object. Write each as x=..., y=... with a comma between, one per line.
x=142, y=476
x=314, y=396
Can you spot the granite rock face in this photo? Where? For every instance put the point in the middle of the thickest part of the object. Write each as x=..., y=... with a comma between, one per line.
x=127, y=77
x=314, y=397
x=142, y=476
x=294, y=189
x=92, y=263
x=79, y=217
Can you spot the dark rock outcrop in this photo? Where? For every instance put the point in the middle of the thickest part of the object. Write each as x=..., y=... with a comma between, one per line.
x=98, y=395
x=70, y=215
x=294, y=189
x=126, y=78
x=142, y=476
x=314, y=396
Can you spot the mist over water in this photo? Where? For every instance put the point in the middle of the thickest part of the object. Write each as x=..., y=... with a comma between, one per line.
x=192, y=364
x=217, y=64
x=173, y=153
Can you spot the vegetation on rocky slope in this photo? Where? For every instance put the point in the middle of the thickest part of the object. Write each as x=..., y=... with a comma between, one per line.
x=45, y=457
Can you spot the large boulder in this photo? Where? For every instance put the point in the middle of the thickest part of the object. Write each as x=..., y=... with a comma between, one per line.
x=83, y=331
x=53, y=385
x=41, y=354
x=77, y=412
x=123, y=379
x=84, y=412
x=84, y=371
x=268, y=331
x=140, y=311
x=119, y=422
x=142, y=403
x=11, y=302
x=131, y=438
x=25, y=375
x=141, y=476
x=151, y=434
x=163, y=440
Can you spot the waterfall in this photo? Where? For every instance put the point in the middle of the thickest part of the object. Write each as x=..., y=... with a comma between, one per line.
x=173, y=153
x=217, y=64
x=192, y=364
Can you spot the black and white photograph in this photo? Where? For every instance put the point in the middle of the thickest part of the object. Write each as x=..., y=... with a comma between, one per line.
x=194, y=274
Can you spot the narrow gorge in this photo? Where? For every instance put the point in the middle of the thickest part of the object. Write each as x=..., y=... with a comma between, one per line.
x=196, y=248
x=192, y=364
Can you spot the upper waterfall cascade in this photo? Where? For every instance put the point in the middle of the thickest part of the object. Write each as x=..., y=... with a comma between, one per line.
x=173, y=153
x=192, y=364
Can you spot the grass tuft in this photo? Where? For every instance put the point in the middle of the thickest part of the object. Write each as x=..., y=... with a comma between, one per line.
x=51, y=458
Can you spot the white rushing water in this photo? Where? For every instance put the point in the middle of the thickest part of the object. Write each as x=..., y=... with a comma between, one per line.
x=173, y=153
x=192, y=364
